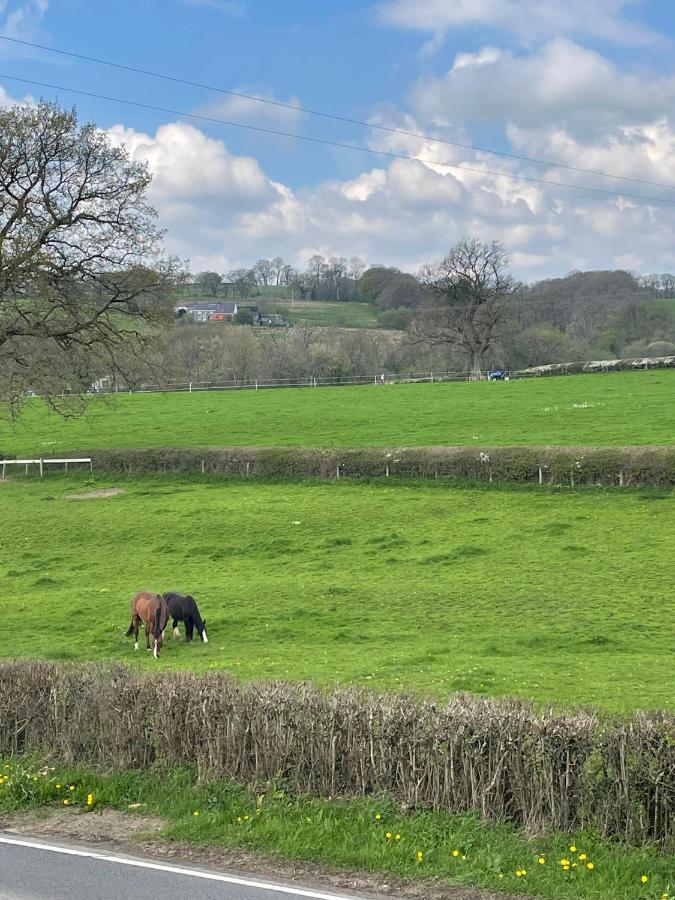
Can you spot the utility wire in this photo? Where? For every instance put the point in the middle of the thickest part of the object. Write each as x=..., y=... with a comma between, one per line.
x=334, y=117
x=353, y=147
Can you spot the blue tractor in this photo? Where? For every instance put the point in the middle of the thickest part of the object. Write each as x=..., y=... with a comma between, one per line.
x=498, y=375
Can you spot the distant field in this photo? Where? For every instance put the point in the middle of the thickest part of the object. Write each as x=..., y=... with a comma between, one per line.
x=621, y=408
x=338, y=315
x=555, y=596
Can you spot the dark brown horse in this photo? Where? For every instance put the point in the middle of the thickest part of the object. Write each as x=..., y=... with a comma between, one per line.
x=152, y=610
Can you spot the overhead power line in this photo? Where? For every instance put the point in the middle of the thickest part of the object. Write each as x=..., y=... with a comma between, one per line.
x=325, y=142
x=336, y=118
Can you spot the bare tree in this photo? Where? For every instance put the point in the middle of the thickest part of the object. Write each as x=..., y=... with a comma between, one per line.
x=79, y=254
x=243, y=281
x=210, y=281
x=472, y=287
x=277, y=265
x=356, y=268
x=263, y=271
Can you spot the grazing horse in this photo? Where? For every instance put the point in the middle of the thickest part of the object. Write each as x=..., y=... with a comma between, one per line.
x=151, y=609
x=183, y=608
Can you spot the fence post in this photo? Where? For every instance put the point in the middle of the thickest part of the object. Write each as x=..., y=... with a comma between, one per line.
x=42, y=468
x=337, y=472
x=3, y=468
x=386, y=470
x=432, y=377
x=620, y=479
x=202, y=467
x=541, y=476
x=256, y=384
x=190, y=388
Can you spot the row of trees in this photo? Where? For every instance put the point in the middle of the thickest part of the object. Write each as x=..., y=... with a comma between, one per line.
x=335, y=278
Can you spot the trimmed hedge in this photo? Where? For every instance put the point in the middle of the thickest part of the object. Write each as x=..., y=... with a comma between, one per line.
x=501, y=759
x=623, y=466
x=630, y=364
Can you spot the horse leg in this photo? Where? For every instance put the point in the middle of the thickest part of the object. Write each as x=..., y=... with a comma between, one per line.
x=133, y=629
x=189, y=628
x=176, y=632
x=147, y=636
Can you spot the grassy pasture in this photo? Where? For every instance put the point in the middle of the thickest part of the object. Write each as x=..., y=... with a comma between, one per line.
x=335, y=315
x=621, y=408
x=551, y=595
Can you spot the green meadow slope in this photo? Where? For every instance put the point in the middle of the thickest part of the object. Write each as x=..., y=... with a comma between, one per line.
x=556, y=596
x=622, y=408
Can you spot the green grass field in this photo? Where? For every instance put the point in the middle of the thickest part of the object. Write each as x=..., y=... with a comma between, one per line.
x=551, y=595
x=336, y=315
x=614, y=409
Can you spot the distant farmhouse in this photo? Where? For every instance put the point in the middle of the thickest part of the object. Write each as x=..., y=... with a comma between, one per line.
x=208, y=312
x=225, y=311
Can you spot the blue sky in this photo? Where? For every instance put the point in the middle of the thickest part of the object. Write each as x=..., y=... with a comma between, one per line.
x=589, y=85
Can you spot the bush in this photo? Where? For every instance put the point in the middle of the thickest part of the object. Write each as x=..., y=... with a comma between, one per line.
x=501, y=759
x=620, y=466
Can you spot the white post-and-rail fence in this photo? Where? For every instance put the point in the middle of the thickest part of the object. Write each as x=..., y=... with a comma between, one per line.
x=42, y=463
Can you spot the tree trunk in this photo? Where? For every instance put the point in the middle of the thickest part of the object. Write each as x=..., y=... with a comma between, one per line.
x=476, y=366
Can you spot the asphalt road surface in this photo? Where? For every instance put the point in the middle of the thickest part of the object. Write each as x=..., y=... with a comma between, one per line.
x=37, y=870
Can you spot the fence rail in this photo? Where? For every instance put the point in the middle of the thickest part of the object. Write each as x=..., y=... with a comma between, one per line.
x=42, y=463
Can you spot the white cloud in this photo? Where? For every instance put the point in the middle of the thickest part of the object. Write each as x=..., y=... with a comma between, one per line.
x=561, y=82
x=529, y=20
x=20, y=20
x=255, y=112
x=223, y=211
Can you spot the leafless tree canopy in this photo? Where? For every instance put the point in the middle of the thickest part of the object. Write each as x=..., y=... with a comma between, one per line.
x=472, y=287
x=79, y=253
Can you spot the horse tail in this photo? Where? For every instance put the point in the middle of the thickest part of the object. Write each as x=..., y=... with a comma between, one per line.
x=130, y=630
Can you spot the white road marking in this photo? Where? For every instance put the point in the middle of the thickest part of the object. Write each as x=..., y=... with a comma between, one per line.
x=178, y=870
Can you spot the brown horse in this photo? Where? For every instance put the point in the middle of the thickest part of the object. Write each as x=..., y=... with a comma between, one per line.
x=153, y=611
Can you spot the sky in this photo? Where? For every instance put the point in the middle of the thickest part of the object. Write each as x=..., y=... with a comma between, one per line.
x=587, y=85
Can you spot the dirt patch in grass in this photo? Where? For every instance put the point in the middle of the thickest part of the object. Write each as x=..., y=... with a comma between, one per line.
x=107, y=825
x=133, y=834
x=96, y=495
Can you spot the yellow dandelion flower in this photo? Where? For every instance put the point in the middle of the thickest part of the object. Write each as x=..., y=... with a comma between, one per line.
x=378, y=816
x=58, y=786
x=66, y=802
x=90, y=799
x=420, y=856
x=582, y=856
x=196, y=812
x=566, y=868
x=397, y=837
x=246, y=818
x=590, y=866
x=524, y=871
x=564, y=862
x=388, y=835
x=574, y=865
x=238, y=818
x=500, y=875
x=644, y=878
x=455, y=852
x=72, y=787
x=464, y=857
x=664, y=896
x=541, y=860
x=573, y=849
x=518, y=873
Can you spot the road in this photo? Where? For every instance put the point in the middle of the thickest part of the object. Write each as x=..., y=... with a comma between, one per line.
x=32, y=869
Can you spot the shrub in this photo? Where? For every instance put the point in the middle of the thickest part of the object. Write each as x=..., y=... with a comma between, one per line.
x=622, y=466
x=501, y=759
